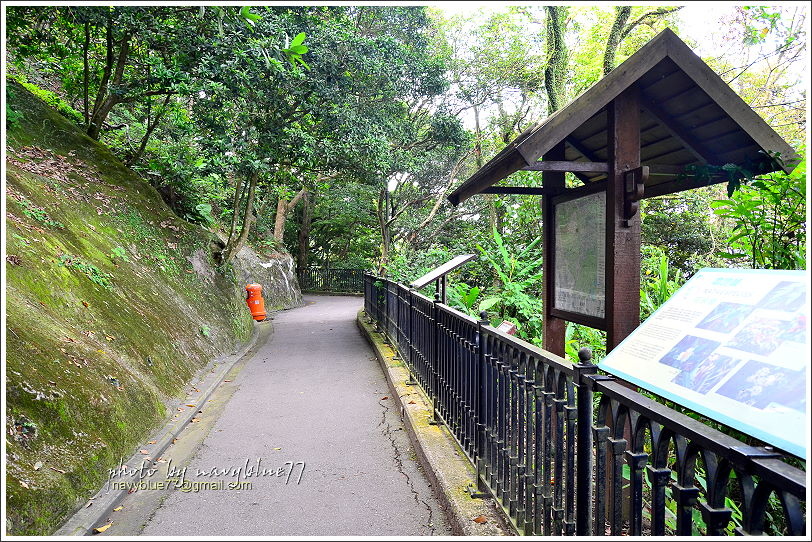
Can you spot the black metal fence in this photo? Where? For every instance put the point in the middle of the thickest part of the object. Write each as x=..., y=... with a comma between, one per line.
x=317, y=279
x=568, y=451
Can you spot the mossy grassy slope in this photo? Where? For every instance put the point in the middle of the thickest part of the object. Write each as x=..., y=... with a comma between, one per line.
x=107, y=318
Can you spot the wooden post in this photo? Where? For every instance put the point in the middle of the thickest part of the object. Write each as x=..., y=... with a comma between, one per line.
x=622, y=241
x=553, y=329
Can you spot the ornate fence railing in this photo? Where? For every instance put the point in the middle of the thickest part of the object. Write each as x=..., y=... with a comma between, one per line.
x=568, y=451
x=319, y=279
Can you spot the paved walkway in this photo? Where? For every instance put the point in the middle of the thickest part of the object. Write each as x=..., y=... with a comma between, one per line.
x=312, y=395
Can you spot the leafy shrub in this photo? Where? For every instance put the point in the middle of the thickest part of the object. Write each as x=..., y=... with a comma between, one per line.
x=37, y=213
x=12, y=116
x=49, y=98
x=120, y=253
x=89, y=270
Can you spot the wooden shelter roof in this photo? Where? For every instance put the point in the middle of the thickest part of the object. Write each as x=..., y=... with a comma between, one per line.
x=689, y=116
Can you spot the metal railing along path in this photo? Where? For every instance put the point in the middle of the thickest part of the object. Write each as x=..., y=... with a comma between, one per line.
x=317, y=279
x=548, y=437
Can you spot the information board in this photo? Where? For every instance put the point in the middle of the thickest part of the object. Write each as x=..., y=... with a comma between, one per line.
x=580, y=255
x=732, y=345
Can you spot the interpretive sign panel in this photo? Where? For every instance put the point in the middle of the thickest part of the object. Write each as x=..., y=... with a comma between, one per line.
x=732, y=345
x=580, y=255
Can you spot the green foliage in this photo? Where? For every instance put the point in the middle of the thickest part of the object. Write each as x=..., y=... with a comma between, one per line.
x=683, y=226
x=577, y=336
x=463, y=297
x=37, y=213
x=120, y=253
x=516, y=298
x=295, y=50
x=657, y=284
x=769, y=221
x=89, y=270
x=49, y=98
x=202, y=215
x=12, y=116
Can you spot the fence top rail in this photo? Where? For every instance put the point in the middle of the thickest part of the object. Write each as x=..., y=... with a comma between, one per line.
x=335, y=269
x=422, y=297
x=704, y=436
x=557, y=362
x=457, y=314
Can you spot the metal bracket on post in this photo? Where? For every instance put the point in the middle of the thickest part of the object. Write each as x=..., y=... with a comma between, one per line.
x=633, y=192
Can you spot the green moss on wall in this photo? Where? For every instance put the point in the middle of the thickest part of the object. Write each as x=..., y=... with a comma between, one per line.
x=97, y=343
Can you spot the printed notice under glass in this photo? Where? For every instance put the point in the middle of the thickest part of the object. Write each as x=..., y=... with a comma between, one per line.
x=580, y=255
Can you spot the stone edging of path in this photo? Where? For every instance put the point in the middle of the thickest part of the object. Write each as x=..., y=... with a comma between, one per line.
x=99, y=507
x=443, y=461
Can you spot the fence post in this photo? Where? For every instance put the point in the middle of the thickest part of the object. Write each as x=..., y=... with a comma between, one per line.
x=435, y=419
x=479, y=437
x=583, y=462
x=410, y=336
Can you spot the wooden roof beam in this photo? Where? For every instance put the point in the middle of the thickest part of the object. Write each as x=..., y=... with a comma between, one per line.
x=568, y=166
x=521, y=190
x=686, y=139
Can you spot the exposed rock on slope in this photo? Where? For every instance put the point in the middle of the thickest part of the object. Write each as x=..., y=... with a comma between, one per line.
x=113, y=304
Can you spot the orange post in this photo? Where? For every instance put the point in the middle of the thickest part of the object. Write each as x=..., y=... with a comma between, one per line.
x=255, y=301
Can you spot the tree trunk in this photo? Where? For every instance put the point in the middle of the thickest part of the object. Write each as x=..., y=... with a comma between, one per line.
x=621, y=28
x=105, y=101
x=556, y=70
x=236, y=243
x=382, y=212
x=622, y=14
x=282, y=210
x=304, y=235
x=86, y=75
x=150, y=128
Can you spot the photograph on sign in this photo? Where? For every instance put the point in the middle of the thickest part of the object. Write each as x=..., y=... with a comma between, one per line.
x=580, y=255
x=731, y=344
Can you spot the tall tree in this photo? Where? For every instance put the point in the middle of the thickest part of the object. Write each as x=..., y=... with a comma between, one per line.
x=555, y=73
x=621, y=27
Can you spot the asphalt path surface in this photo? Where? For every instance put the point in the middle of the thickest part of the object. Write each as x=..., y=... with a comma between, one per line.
x=310, y=443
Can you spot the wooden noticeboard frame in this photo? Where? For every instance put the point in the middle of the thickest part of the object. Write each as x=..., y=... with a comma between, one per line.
x=553, y=265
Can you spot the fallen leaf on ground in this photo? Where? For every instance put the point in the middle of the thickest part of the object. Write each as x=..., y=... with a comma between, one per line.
x=226, y=380
x=194, y=420
x=85, y=303
x=38, y=465
x=384, y=397
x=145, y=452
x=191, y=405
x=117, y=508
x=22, y=483
x=132, y=490
x=57, y=470
x=181, y=409
x=412, y=403
x=102, y=528
x=481, y=519
x=161, y=460
x=88, y=505
x=152, y=442
x=174, y=440
x=197, y=390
